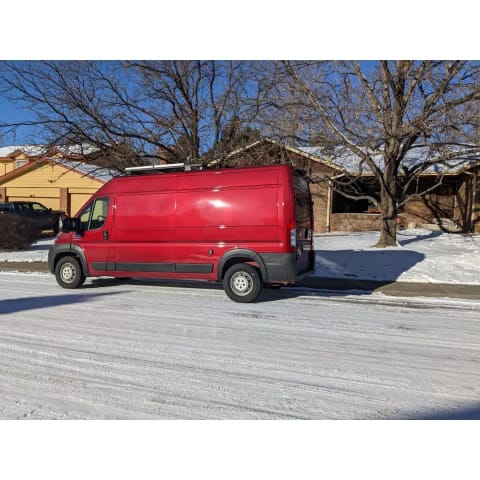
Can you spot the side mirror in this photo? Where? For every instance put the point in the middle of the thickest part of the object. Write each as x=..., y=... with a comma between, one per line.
x=77, y=226
x=67, y=224
x=64, y=224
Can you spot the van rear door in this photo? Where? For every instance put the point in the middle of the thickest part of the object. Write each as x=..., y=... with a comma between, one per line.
x=304, y=224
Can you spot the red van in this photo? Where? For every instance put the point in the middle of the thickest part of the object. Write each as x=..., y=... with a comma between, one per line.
x=245, y=227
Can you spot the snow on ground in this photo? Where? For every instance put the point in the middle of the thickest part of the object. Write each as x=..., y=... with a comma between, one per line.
x=37, y=253
x=138, y=350
x=422, y=256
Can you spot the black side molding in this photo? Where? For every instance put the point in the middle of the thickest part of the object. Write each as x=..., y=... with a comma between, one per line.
x=154, y=267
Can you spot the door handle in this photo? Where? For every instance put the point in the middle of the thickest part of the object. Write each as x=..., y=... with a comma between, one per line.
x=105, y=235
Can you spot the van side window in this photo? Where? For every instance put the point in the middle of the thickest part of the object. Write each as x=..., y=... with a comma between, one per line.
x=94, y=215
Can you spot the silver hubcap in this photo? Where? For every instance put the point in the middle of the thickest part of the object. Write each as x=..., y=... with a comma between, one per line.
x=68, y=273
x=241, y=283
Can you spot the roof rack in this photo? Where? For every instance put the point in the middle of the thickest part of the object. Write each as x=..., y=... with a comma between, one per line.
x=169, y=167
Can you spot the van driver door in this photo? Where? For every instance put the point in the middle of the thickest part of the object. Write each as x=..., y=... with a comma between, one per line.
x=94, y=237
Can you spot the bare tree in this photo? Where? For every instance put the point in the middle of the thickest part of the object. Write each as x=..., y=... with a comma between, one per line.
x=166, y=109
x=380, y=111
x=189, y=110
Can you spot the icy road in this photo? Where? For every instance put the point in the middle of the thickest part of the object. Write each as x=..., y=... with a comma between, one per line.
x=156, y=350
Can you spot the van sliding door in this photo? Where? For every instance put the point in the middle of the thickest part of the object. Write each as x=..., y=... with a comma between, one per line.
x=144, y=234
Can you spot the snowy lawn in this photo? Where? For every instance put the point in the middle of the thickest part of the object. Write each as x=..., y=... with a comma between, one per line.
x=422, y=256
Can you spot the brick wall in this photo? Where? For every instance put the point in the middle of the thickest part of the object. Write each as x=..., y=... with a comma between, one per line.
x=355, y=222
x=416, y=211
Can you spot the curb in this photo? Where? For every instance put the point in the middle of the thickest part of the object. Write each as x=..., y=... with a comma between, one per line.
x=392, y=288
x=29, y=267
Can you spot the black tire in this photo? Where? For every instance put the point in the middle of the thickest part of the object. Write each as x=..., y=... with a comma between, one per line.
x=242, y=283
x=69, y=273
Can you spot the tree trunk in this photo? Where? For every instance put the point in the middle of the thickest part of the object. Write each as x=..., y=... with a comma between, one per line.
x=388, y=233
x=388, y=227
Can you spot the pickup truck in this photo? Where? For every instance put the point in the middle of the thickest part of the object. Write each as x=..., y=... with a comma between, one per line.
x=42, y=218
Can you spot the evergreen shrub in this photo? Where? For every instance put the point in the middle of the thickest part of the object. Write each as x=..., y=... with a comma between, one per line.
x=16, y=233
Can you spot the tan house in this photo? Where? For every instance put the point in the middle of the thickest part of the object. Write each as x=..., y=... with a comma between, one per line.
x=16, y=156
x=55, y=180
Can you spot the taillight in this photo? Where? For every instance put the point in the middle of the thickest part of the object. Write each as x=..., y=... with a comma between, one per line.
x=293, y=237
x=293, y=234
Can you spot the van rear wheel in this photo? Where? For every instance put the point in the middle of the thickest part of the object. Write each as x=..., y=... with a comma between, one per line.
x=68, y=273
x=242, y=283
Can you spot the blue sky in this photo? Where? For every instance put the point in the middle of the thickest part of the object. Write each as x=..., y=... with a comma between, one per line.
x=15, y=112
x=10, y=112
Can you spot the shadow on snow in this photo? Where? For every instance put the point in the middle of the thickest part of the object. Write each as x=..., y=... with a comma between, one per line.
x=267, y=294
x=32, y=303
x=471, y=412
x=418, y=238
x=383, y=265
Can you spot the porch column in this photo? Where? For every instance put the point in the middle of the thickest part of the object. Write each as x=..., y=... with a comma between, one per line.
x=329, y=204
x=3, y=194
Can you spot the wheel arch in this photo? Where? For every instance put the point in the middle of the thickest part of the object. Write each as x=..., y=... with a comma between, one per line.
x=241, y=255
x=60, y=251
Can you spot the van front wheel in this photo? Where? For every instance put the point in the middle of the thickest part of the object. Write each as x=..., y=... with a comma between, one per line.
x=68, y=273
x=242, y=283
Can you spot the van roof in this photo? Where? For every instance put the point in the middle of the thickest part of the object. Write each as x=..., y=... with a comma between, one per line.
x=150, y=181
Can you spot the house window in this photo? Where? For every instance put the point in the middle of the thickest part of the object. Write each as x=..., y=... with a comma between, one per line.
x=341, y=204
x=362, y=187
x=20, y=163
